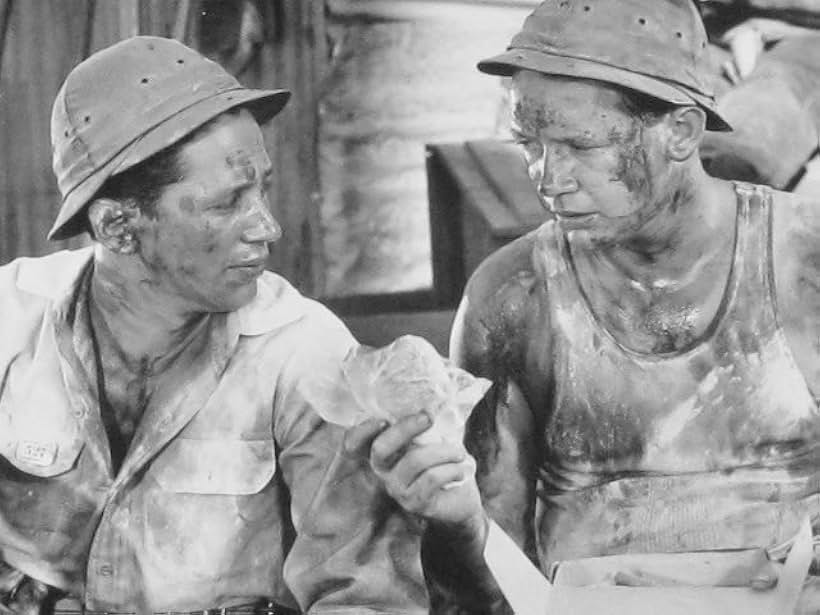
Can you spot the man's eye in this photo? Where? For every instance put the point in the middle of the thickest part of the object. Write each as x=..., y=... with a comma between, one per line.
x=228, y=204
x=582, y=145
x=532, y=149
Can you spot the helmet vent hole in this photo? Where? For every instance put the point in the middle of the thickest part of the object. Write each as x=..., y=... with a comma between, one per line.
x=642, y=21
x=144, y=80
x=180, y=61
x=87, y=119
x=587, y=9
x=66, y=133
x=679, y=35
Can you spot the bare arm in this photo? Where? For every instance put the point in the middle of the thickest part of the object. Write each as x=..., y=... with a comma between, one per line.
x=500, y=439
x=489, y=339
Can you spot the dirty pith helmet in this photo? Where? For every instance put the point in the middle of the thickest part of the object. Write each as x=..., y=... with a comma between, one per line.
x=656, y=47
x=129, y=101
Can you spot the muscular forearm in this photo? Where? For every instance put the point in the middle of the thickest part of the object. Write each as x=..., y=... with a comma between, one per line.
x=454, y=566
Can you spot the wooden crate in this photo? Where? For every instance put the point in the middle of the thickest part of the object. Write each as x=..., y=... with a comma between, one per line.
x=480, y=199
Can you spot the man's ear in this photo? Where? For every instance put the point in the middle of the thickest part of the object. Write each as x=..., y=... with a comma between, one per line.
x=115, y=224
x=687, y=125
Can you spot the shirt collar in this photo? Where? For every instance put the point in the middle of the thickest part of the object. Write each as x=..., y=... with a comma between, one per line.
x=275, y=305
x=55, y=276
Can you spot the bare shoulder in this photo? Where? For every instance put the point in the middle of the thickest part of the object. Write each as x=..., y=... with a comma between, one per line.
x=492, y=319
x=796, y=255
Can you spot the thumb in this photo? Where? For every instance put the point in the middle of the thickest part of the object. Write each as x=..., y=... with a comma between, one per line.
x=764, y=577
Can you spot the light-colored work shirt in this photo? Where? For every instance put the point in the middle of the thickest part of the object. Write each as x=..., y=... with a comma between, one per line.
x=233, y=488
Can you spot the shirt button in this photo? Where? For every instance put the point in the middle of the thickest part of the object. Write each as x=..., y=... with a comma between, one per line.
x=105, y=570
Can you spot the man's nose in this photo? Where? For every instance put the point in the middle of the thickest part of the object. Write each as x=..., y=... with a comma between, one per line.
x=552, y=172
x=263, y=227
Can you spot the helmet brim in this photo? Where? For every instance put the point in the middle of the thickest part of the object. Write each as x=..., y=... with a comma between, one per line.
x=506, y=64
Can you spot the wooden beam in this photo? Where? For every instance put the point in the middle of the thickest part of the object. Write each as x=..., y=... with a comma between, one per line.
x=183, y=16
x=129, y=22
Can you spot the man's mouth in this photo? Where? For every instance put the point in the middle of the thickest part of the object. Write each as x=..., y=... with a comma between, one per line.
x=250, y=267
x=572, y=215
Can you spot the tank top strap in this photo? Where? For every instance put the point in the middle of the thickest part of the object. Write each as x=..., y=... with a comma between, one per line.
x=753, y=291
x=551, y=263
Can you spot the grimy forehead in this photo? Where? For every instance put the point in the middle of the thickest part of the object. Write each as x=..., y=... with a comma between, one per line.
x=232, y=143
x=548, y=101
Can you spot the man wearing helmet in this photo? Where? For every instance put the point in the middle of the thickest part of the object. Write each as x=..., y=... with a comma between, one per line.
x=160, y=446
x=653, y=348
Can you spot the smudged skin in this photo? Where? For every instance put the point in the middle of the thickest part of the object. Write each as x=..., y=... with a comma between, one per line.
x=645, y=230
x=650, y=236
x=155, y=277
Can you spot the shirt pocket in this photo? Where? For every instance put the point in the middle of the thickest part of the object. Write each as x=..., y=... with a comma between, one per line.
x=44, y=457
x=229, y=467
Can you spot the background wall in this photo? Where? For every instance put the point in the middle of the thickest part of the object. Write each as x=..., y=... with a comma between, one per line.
x=402, y=75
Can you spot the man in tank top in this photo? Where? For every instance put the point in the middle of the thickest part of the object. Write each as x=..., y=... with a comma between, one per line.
x=654, y=347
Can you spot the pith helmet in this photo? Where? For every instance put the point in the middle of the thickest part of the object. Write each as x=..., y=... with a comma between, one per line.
x=129, y=101
x=657, y=47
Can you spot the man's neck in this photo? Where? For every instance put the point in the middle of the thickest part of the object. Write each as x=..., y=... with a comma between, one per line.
x=146, y=322
x=660, y=290
x=694, y=230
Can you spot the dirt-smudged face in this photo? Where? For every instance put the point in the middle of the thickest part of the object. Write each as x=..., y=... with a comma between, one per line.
x=208, y=242
x=591, y=160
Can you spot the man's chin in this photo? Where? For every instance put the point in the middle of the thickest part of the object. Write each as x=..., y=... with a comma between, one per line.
x=237, y=298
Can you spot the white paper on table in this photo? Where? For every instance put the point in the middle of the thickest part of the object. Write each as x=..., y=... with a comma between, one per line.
x=530, y=593
x=523, y=585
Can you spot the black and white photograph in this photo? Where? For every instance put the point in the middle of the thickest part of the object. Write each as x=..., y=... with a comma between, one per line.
x=446, y=307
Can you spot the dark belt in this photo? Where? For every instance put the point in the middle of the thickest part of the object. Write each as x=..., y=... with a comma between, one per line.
x=268, y=608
